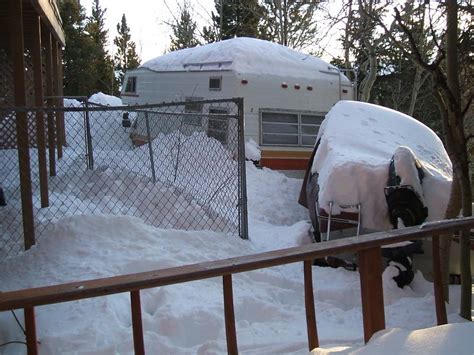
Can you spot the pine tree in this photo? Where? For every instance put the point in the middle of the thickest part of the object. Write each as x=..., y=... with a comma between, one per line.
x=79, y=71
x=126, y=56
x=234, y=18
x=184, y=30
x=104, y=68
x=291, y=23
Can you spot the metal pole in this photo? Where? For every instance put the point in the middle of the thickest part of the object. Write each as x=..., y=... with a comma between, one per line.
x=176, y=165
x=90, y=152
x=150, y=149
x=244, y=229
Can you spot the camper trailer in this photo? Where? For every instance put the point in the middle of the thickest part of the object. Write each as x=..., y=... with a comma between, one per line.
x=286, y=93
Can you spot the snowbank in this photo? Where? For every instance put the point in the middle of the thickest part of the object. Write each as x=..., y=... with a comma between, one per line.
x=445, y=339
x=252, y=150
x=244, y=55
x=107, y=100
x=357, y=142
x=189, y=318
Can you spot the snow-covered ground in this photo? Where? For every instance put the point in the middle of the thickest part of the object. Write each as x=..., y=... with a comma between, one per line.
x=188, y=318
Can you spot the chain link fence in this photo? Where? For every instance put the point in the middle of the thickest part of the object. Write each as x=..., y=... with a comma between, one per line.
x=176, y=165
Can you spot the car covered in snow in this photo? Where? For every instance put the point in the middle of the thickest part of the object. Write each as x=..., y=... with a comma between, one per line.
x=374, y=169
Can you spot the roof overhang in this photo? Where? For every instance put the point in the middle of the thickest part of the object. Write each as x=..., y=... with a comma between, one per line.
x=49, y=12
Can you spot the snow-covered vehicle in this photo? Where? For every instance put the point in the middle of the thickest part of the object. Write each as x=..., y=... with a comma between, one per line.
x=374, y=169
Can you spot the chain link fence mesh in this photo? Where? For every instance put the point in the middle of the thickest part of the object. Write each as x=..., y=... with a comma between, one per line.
x=177, y=165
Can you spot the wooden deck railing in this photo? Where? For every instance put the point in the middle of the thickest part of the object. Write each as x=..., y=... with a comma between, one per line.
x=368, y=248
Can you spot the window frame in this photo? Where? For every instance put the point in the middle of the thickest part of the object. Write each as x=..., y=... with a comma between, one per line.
x=300, y=125
x=134, y=85
x=220, y=83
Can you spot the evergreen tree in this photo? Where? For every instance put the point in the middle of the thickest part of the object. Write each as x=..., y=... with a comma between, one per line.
x=126, y=56
x=79, y=71
x=291, y=23
x=234, y=18
x=102, y=61
x=184, y=30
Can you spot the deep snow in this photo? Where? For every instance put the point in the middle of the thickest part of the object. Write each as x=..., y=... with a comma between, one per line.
x=188, y=318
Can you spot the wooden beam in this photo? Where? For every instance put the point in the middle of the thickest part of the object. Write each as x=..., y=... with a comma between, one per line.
x=370, y=270
x=30, y=330
x=55, y=101
x=49, y=92
x=313, y=341
x=156, y=278
x=229, y=317
x=441, y=315
x=62, y=128
x=17, y=52
x=138, y=342
x=39, y=101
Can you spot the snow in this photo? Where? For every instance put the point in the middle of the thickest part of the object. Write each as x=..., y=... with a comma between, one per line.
x=357, y=142
x=252, y=150
x=188, y=318
x=444, y=339
x=103, y=99
x=244, y=55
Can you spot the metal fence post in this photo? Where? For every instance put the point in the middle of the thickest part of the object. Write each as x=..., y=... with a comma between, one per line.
x=150, y=148
x=90, y=152
x=243, y=213
x=176, y=165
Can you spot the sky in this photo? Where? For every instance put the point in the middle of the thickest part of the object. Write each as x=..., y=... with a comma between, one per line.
x=147, y=20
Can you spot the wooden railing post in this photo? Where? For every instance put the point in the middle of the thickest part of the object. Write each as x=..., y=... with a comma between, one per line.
x=229, y=315
x=441, y=316
x=312, y=330
x=370, y=269
x=30, y=330
x=138, y=343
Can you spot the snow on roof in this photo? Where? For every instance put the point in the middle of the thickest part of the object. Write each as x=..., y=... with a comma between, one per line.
x=357, y=142
x=244, y=55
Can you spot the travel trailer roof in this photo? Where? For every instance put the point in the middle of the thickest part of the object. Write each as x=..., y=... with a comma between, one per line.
x=244, y=55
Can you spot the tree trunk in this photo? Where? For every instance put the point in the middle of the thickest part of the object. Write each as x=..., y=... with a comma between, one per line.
x=460, y=162
x=371, y=76
x=416, y=89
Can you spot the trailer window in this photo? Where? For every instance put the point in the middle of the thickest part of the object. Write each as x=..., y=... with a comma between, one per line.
x=193, y=106
x=131, y=86
x=215, y=83
x=290, y=129
x=218, y=124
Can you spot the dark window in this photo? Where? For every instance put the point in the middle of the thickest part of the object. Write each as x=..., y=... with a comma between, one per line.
x=218, y=124
x=215, y=83
x=131, y=84
x=293, y=129
x=192, y=106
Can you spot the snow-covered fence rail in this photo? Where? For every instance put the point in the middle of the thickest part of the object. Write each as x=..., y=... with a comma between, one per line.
x=174, y=165
x=368, y=248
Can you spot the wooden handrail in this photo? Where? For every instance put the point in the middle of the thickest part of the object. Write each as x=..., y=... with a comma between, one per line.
x=367, y=247
x=125, y=283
